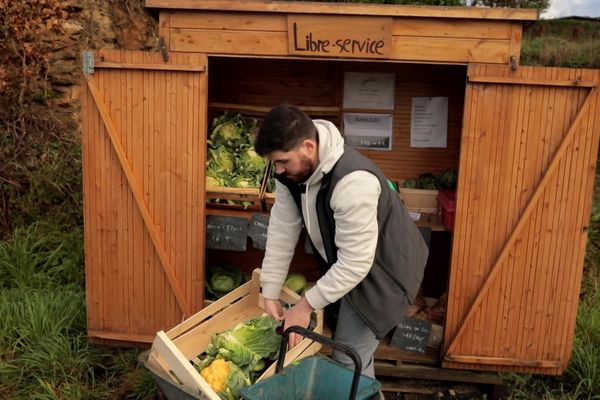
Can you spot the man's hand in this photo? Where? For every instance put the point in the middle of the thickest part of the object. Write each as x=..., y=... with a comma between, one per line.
x=299, y=314
x=274, y=310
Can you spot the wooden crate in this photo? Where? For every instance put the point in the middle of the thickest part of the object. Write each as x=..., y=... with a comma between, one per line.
x=268, y=198
x=420, y=200
x=175, y=351
x=252, y=196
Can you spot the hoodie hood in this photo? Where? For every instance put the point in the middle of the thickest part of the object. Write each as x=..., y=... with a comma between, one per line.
x=331, y=148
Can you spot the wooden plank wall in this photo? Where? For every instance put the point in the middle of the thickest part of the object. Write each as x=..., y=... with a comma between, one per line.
x=415, y=39
x=159, y=118
x=310, y=83
x=527, y=313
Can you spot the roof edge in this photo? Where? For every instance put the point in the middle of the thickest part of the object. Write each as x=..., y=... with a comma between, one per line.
x=389, y=10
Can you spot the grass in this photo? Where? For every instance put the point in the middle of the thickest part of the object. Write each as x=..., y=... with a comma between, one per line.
x=44, y=351
x=562, y=43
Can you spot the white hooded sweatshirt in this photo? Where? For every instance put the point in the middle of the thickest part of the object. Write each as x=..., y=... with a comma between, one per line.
x=354, y=202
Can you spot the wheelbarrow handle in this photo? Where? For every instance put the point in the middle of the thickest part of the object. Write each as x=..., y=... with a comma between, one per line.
x=326, y=341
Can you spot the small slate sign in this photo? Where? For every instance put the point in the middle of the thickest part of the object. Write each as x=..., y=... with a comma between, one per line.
x=412, y=335
x=257, y=230
x=226, y=233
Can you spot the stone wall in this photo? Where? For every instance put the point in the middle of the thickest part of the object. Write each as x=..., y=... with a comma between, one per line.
x=91, y=25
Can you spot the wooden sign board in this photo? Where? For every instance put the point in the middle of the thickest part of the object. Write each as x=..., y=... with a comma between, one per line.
x=226, y=233
x=412, y=335
x=340, y=36
x=257, y=230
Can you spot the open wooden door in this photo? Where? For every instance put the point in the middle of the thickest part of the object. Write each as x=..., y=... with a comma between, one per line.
x=527, y=166
x=144, y=152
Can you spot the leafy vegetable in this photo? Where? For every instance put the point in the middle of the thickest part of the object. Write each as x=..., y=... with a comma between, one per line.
x=221, y=161
x=296, y=282
x=225, y=378
x=247, y=345
x=232, y=160
x=410, y=184
x=222, y=279
x=446, y=179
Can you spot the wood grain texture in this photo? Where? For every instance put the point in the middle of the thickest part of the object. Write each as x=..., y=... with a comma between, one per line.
x=144, y=191
x=521, y=187
x=350, y=9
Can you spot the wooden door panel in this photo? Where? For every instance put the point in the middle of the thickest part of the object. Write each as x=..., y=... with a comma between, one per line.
x=527, y=165
x=143, y=133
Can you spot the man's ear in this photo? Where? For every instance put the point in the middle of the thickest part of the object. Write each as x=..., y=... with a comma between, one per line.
x=310, y=147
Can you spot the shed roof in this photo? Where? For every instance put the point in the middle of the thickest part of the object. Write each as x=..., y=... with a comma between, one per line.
x=517, y=14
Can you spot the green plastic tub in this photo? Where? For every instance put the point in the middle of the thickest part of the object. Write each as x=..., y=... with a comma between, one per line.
x=314, y=377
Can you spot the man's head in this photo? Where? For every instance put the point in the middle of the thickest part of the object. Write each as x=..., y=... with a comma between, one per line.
x=288, y=137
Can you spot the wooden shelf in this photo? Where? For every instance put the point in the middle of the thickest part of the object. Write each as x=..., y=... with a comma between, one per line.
x=233, y=212
x=435, y=226
x=261, y=110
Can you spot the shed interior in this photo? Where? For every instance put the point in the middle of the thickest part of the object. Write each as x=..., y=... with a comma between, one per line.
x=252, y=85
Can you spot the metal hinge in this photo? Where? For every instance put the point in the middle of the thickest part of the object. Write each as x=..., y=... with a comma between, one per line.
x=163, y=49
x=88, y=63
x=513, y=63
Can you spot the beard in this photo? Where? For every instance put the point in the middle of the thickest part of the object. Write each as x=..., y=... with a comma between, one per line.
x=304, y=173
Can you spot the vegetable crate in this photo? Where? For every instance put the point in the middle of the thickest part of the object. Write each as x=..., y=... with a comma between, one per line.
x=174, y=352
x=243, y=198
x=268, y=193
x=269, y=200
x=420, y=200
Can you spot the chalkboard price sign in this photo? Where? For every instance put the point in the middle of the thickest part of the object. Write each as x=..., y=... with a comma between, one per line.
x=412, y=335
x=226, y=233
x=257, y=230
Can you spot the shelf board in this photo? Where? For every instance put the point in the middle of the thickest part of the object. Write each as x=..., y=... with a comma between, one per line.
x=436, y=227
x=233, y=212
x=262, y=110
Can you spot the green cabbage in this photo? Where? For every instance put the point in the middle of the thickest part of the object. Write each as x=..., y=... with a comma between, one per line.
x=249, y=161
x=232, y=130
x=232, y=160
x=212, y=180
x=244, y=182
x=222, y=279
x=247, y=345
x=221, y=161
x=296, y=282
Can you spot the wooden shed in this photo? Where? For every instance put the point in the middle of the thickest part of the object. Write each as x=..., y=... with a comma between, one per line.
x=523, y=139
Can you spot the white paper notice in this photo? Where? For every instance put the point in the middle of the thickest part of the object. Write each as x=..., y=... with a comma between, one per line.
x=371, y=131
x=369, y=91
x=429, y=122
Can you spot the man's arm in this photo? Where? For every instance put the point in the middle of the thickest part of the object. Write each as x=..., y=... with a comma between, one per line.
x=284, y=228
x=354, y=202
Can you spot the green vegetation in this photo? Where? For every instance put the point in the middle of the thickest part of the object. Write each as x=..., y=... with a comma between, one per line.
x=44, y=351
x=562, y=43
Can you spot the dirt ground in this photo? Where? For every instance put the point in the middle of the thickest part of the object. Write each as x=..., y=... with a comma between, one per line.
x=412, y=389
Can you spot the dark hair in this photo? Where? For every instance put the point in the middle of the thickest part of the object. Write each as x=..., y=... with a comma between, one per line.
x=283, y=128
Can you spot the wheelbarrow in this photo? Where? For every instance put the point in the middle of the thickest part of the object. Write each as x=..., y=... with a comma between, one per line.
x=315, y=377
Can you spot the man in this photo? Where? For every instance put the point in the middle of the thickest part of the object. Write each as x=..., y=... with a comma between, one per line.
x=371, y=253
